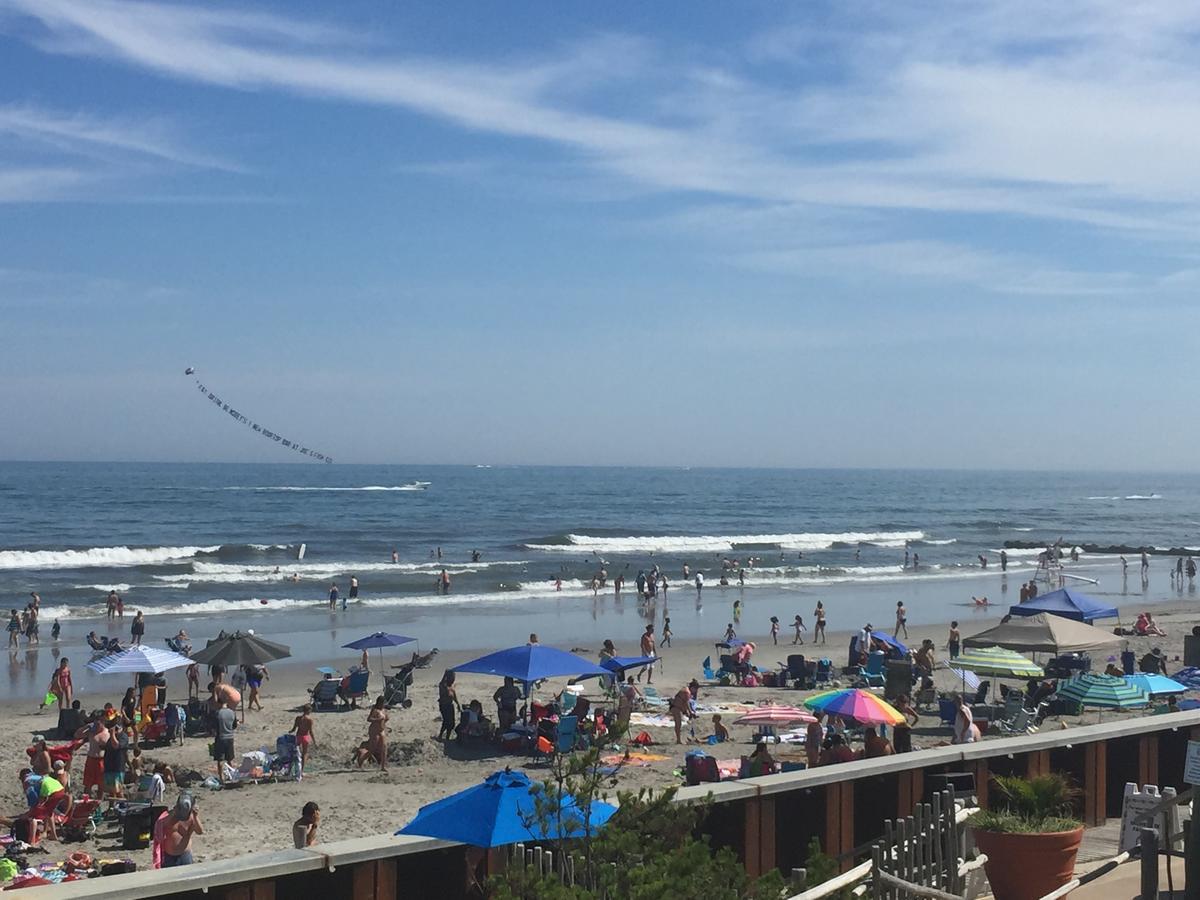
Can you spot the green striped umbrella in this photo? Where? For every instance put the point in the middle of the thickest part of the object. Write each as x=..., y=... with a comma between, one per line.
x=997, y=661
x=1103, y=692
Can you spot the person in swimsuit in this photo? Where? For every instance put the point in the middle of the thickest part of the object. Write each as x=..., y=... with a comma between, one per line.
x=138, y=628
x=377, y=720
x=60, y=684
x=447, y=705
x=819, y=625
x=305, y=738
x=798, y=624
x=901, y=619
x=255, y=675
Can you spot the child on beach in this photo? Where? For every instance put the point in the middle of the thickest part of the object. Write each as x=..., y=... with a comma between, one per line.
x=775, y=630
x=955, y=640
x=798, y=624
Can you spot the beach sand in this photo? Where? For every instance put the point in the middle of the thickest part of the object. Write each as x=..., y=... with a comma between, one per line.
x=354, y=803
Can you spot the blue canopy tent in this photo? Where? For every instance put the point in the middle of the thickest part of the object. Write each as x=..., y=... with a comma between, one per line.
x=531, y=662
x=502, y=811
x=1066, y=603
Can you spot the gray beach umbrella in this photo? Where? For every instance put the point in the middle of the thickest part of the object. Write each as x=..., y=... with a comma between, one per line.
x=240, y=649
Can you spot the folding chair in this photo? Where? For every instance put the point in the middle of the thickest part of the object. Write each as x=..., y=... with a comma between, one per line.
x=709, y=674
x=325, y=694
x=567, y=734
x=356, y=687
x=874, y=671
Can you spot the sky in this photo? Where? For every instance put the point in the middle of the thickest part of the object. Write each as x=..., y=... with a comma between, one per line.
x=758, y=234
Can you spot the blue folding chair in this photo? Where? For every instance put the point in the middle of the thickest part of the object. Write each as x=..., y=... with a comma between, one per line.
x=824, y=672
x=567, y=735
x=709, y=674
x=874, y=671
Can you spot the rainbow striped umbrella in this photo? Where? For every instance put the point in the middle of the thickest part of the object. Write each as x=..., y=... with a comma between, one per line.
x=855, y=703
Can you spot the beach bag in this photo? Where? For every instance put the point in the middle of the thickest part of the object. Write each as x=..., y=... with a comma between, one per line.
x=120, y=867
x=50, y=698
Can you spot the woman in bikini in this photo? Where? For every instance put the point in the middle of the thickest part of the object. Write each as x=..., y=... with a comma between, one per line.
x=303, y=727
x=819, y=625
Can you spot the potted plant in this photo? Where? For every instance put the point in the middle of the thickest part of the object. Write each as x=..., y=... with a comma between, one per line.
x=1029, y=835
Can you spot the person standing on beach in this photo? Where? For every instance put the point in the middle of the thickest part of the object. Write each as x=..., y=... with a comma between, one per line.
x=648, y=649
x=819, y=624
x=223, y=744
x=333, y=595
x=14, y=630
x=1003, y=560
x=901, y=619
x=377, y=720
x=31, y=623
x=353, y=589
x=955, y=640
x=1145, y=564
x=305, y=736
x=798, y=624
x=666, y=631
x=699, y=584
x=138, y=628
x=177, y=828
x=775, y=630
x=447, y=705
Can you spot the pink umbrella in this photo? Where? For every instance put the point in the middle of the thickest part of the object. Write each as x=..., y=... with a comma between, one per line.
x=775, y=715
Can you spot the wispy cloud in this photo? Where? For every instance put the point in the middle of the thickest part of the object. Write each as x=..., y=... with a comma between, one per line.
x=85, y=134
x=1078, y=115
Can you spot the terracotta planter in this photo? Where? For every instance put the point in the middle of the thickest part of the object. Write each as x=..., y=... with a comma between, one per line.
x=1028, y=866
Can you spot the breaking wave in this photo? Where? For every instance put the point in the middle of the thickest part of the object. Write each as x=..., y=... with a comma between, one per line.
x=723, y=543
x=98, y=557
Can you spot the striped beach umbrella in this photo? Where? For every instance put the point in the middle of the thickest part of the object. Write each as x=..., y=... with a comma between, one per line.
x=1103, y=691
x=138, y=660
x=998, y=662
x=775, y=715
x=855, y=703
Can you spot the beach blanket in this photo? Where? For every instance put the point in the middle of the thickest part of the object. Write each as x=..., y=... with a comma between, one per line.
x=652, y=720
x=645, y=759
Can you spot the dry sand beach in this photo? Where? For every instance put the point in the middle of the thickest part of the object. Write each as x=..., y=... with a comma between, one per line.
x=255, y=817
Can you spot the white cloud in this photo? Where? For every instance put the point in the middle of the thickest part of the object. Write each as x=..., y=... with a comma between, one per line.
x=1078, y=113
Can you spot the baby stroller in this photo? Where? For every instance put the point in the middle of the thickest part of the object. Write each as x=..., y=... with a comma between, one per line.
x=395, y=687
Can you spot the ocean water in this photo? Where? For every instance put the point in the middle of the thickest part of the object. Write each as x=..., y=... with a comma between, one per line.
x=216, y=546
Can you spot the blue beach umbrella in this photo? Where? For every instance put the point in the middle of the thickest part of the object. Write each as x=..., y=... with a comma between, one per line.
x=1188, y=677
x=619, y=664
x=379, y=639
x=502, y=811
x=1156, y=684
x=531, y=662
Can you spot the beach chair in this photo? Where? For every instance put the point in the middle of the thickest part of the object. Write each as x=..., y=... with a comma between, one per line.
x=651, y=696
x=566, y=736
x=824, y=673
x=797, y=668
x=981, y=694
x=947, y=710
x=1013, y=704
x=709, y=674
x=874, y=671
x=80, y=823
x=567, y=702
x=356, y=687
x=926, y=698
x=1021, y=723
x=325, y=694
